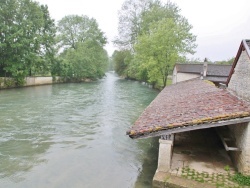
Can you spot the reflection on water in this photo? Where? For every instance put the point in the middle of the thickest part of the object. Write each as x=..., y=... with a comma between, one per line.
x=73, y=135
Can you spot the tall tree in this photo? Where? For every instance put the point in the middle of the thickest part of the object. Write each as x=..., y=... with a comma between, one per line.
x=74, y=29
x=23, y=37
x=9, y=31
x=159, y=49
x=130, y=23
x=157, y=11
x=156, y=35
x=48, y=42
x=88, y=60
x=83, y=43
x=121, y=60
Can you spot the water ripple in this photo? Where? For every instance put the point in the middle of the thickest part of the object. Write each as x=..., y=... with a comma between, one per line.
x=73, y=135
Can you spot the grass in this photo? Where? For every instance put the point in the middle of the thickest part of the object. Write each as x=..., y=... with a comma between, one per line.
x=159, y=84
x=220, y=180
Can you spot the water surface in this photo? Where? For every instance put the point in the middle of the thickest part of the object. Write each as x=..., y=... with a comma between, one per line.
x=73, y=135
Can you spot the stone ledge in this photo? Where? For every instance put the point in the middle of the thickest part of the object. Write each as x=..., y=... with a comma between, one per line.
x=166, y=180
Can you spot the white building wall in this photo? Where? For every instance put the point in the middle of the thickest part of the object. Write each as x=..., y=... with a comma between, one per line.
x=179, y=77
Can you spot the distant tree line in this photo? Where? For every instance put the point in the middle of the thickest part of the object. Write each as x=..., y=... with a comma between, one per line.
x=153, y=36
x=222, y=62
x=32, y=44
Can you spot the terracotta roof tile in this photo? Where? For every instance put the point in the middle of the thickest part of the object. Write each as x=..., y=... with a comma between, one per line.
x=218, y=70
x=191, y=102
x=190, y=68
x=212, y=69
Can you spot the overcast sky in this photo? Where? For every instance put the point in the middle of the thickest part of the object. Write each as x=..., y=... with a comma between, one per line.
x=219, y=25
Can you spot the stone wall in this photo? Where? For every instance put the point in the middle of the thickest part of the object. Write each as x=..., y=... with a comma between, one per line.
x=29, y=81
x=240, y=80
x=239, y=85
x=241, y=159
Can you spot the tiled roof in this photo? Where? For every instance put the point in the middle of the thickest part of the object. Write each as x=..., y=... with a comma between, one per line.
x=220, y=79
x=190, y=68
x=212, y=69
x=189, y=103
x=218, y=70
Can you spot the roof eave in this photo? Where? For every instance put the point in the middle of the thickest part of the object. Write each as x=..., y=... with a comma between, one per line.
x=243, y=46
x=191, y=128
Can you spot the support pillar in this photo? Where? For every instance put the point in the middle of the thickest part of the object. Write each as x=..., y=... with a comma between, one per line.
x=165, y=153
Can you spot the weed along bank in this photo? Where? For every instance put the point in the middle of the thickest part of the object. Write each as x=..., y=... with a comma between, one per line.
x=203, y=129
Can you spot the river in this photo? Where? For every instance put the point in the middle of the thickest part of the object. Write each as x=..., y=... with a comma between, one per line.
x=74, y=135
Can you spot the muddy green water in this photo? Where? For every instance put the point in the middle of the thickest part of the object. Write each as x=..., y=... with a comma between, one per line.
x=73, y=135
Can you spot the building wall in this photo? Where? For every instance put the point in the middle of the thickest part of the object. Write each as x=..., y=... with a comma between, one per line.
x=179, y=77
x=240, y=80
x=241, y=159
x=240, y=86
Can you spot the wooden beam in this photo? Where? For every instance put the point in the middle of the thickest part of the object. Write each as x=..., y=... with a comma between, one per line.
x=193, y=127
x=225, y=143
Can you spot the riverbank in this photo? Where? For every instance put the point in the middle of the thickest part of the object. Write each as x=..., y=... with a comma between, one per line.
x=158, y=87
x=7, y=83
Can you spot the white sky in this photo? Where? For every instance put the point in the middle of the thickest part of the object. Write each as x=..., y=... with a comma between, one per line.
x=219, y=25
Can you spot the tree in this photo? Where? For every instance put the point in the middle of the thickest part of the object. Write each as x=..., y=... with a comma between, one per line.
x=88, y=60
x=83, y=54
x=156, y=35
x=74, y=29
x=130, y=23
x=8, y=10
x=24, y=38
x=47, y=48
x=226, y=62
x=121, y=59
x=160, y=48
x=158, y=11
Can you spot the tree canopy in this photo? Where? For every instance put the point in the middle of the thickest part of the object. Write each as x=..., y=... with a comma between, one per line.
x=158, y=37
x=29, y=45
x=82, y=42
x=26, y=39
x=74, y=29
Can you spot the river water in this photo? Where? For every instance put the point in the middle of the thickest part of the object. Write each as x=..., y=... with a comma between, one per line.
x=74, y=135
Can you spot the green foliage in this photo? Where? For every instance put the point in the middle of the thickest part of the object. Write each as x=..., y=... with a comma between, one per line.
x=226, y=62
x=74, y=29
x=83, y=55
x=157, y=37
x=241, y=179
x=130, y=23
x=26, y=39
x=227, y=168
x=9, y=83
x=88, y=60
x=165, y=40
x=121, y=60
